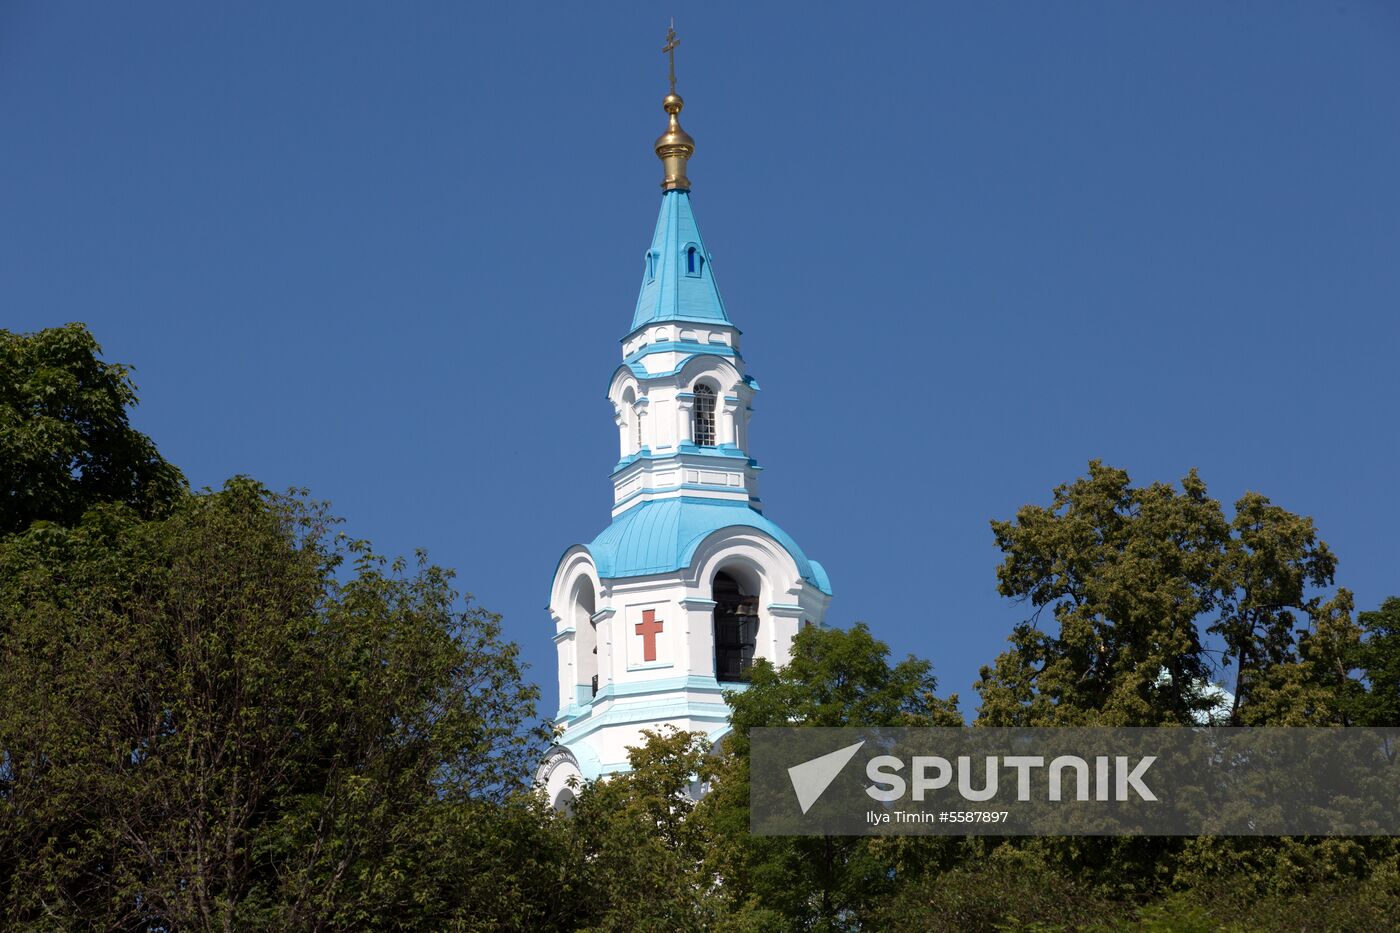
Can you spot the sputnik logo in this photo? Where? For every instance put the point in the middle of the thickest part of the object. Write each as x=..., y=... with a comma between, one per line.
x=811, y=778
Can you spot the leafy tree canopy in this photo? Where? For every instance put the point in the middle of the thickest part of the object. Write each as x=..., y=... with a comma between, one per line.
x=1134, y=576
x=835, y=678
x=65, y=441
x=205, y=721
x=639, y=856
x=1378, y=659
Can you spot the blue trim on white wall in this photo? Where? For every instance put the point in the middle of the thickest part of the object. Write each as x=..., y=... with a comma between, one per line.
x=728, y=452
x=630, y=714
x=641, y=374
x=692, y=683
x=738, y=491
x=693, y=347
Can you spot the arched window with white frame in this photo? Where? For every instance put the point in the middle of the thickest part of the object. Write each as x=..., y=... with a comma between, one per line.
x=694, y=260
x=704, y=433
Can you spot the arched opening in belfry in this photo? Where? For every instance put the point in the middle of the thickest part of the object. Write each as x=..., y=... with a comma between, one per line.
x=704, y=430
x=631, y=423
x=736, y=627
x=586, y=637
x=564, y=803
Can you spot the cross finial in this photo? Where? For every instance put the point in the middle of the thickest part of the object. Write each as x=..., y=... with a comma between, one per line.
x=675, y=145
x=670, y=49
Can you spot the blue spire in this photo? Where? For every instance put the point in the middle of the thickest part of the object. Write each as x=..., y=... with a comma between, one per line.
x=677, y=281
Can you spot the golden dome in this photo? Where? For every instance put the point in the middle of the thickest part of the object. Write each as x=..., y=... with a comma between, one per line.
x=674, y=147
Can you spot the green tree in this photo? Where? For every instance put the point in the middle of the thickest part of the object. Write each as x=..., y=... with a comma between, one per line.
x=209, y=721
x=1314, y=680
x=1378, y=660
x=995, y=887
x=638, y=852
x=65, y=440
x=835, y=678
x=1126, y=572
x=1133, y=577
x=1274, y=566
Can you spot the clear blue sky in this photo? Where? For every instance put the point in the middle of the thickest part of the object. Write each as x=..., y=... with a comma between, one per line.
x=386, y=251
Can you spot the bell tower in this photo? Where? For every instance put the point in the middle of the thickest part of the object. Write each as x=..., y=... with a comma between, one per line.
x=673, y=601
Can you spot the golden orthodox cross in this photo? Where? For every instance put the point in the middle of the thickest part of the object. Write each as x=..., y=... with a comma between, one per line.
x=670, y=49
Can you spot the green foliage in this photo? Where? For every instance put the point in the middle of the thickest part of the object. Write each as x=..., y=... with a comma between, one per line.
x=840, y=678
x=1010, y=889
x=835, y=678
x=1133, y=576
x=1225, y=903
x=1125, y=571
x=202, y=725
x=1312, y=682
x=1274, y=563
x=639, y=855
x=1007, y=889
x=1378, y=660
x=216, y=712
x=65, y=442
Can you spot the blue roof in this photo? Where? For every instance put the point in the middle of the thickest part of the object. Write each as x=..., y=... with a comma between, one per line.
x=661, y=536
x=671, y=289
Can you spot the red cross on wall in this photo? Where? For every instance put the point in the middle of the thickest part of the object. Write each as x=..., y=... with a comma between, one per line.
x=649, y=628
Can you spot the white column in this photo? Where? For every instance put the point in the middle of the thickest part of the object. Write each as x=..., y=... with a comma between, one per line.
x=565, y=645
x=728, y=425
x=781, y=621
x=624, y=443
x=603, y=622
x=685, y=422
x=646, y=429
x=699, y=636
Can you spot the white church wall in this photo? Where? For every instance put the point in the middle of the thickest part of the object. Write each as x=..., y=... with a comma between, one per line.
x=677, y=685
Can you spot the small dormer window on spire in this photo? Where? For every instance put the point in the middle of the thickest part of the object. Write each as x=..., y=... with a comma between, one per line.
x=651, y=265
x=694, y=260
x=704, y=416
